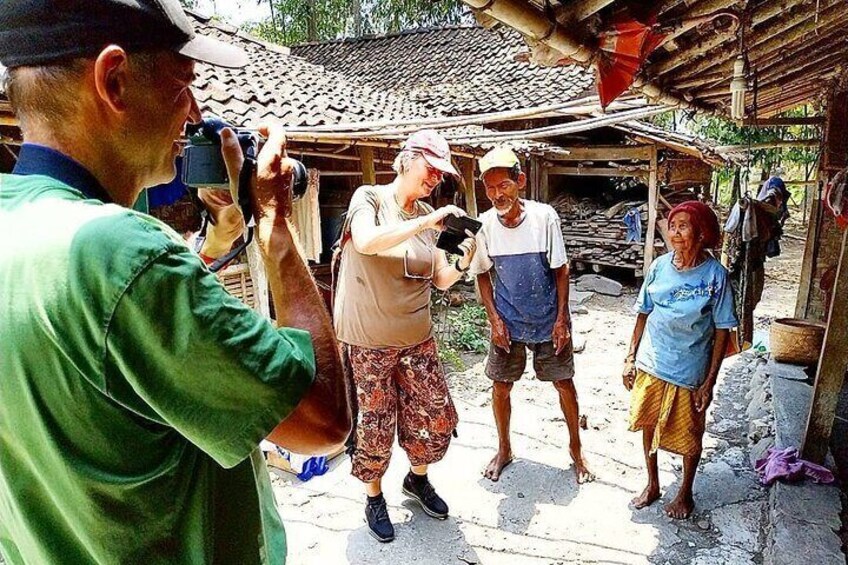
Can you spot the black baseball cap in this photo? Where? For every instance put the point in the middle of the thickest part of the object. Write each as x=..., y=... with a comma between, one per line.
x=37, y=32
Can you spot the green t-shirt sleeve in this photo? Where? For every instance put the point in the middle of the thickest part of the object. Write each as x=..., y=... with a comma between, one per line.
x=184, y=352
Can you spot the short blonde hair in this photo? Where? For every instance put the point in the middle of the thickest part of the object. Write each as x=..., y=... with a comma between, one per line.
x=403, y=161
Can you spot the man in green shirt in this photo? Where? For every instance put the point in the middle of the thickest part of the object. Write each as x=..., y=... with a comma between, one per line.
x=133, y=389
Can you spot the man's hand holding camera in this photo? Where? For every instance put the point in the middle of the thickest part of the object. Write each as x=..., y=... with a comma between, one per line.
x=270, y=189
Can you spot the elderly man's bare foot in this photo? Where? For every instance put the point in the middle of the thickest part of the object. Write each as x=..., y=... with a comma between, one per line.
x=681, y=507
x=496, y=466
x=584, y=475
x=650, y=495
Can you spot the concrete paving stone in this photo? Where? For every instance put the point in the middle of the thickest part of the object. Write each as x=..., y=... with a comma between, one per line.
x=807, y=502
x=791, y=401
x=785, y=370
x=758, y=450
x=717, y=484
x=739, y=524
x=794, y=543
x=578, y=297
x=722, y=555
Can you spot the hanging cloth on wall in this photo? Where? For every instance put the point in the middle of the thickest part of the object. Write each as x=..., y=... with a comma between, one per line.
x=836, y=198
x=306, y=218
x=633, y=220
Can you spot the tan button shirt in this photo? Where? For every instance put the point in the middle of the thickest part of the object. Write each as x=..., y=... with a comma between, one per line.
x=383, y=300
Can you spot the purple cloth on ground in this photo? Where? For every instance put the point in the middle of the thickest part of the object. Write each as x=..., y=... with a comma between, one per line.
x=785, y=464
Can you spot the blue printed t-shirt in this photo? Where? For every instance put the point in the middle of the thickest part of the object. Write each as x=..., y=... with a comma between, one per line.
x=684, y=309
x=524, y=258
x=134, y=391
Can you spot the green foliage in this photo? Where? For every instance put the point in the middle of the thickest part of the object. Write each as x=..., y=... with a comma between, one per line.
x=798, y=162
x=467, y=328
x=300, y=21
x=460, y=330
x=450, y=356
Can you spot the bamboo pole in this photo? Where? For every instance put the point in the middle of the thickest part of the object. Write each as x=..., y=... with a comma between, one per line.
x=453, y=121
x=369, y=176
x=653, y=193
x=833, y=362
x=469, y=188
x=563, y=129
x=763, y=13
x=786, y=32
x=771, y=145
x=579, y=10
x=531, y=22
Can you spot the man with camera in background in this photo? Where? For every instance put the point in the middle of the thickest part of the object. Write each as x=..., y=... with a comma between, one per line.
x=134, y=391
x=522, y=273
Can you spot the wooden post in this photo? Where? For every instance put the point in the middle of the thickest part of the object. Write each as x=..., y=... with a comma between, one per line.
x=808, y=263
x=366, y=154
x=832, y=365
x=653, y=197
x=469, y=188
x=544, y=183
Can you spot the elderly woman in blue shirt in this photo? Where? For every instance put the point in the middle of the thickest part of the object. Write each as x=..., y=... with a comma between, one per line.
x=685, y=311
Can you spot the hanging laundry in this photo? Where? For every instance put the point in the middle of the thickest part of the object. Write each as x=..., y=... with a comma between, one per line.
x=633, y=220
x=306, y=218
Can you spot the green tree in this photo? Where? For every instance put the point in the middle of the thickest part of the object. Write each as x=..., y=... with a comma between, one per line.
x=299, y=21
x=798, y=162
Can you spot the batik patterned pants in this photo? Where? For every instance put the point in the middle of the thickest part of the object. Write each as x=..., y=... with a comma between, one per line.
x=403, y=389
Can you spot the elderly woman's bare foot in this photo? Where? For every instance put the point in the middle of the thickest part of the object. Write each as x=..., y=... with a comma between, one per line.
x=584, y=475
x=681, y=507
x=498, y=463
x=650, y=495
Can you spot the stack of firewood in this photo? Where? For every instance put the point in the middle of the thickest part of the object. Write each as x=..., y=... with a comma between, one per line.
x=596, y=235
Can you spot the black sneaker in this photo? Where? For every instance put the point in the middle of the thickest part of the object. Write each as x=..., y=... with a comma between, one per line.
x=419, y=488
x=377, y=516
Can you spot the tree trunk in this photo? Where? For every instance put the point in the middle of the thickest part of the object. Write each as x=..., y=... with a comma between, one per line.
x=311, y=21
x=356, y=10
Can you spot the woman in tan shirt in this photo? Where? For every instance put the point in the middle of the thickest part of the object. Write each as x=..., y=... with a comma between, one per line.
x=382, y=317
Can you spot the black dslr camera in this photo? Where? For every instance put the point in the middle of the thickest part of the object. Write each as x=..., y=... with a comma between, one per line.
x=203, y=167
x=203, y=164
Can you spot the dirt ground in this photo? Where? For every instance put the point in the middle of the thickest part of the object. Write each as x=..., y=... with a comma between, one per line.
x=537, y=513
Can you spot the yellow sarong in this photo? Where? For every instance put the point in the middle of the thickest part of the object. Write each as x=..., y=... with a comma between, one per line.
x=670, y=410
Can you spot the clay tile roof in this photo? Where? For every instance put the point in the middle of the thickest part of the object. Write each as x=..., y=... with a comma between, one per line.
x=456, y=69
x=294, y=90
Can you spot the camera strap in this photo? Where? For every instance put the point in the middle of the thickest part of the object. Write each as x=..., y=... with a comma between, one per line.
x=246, y=206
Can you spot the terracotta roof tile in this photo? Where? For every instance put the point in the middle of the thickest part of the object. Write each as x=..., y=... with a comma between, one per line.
x=456, y=70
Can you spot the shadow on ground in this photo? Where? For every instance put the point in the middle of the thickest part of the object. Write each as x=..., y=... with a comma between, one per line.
x=729, y=502
x=525, y=485
x=421, y=539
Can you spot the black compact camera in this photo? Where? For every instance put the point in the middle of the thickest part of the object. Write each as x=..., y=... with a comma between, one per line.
x=453, y=232
x=203, y=164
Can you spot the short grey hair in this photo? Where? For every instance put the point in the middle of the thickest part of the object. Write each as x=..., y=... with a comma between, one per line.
x=403, y=161
x=50, y=93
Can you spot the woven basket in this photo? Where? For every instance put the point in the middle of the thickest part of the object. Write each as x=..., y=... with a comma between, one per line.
x=796, y=341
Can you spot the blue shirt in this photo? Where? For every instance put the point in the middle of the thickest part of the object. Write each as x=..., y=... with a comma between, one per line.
x=684, y=309
x=34, y=159
x=522, y=260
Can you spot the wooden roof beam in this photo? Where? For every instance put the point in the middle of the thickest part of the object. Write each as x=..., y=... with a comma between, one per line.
x=604, y=153
x=700, y=9
x=785, y=122
x=783, y=76
x=824, y=42
x=579, y=10
x=804, y=26
x=702, y=48
x=531, y=22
